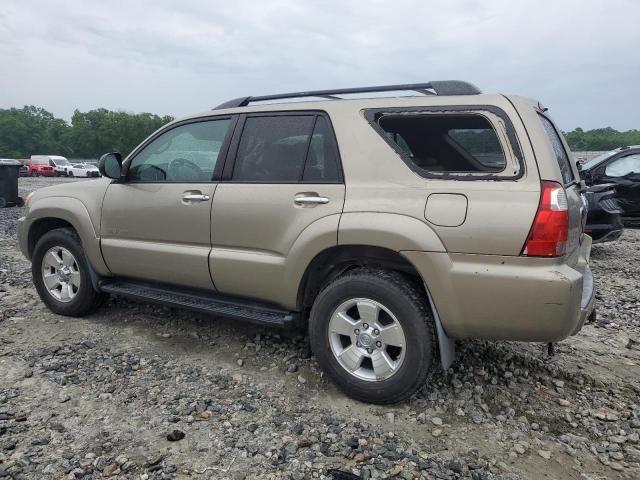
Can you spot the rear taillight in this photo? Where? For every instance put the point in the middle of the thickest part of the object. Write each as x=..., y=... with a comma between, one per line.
x=550, y=230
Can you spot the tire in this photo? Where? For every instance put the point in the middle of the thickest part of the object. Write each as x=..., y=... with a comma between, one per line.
x=3, y=202
x=34, y=173
x=403, y=303
x=83, y=299
x=70, y=174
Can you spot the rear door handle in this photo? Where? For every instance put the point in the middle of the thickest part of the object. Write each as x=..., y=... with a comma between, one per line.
x=310, y=199
x=195, y=197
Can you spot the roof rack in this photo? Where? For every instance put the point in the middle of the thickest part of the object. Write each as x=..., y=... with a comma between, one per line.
x=440, y=87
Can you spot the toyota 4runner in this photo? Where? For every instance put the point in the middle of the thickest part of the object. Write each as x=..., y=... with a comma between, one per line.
x=387, y=226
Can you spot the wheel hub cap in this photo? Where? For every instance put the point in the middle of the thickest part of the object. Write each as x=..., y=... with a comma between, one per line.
x=366, y=339
x=61, y=274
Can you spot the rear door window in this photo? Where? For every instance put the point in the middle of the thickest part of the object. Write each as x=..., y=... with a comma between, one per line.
x=558, y=149
x=287, y=149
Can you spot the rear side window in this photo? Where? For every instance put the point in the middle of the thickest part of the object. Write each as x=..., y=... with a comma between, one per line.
x=446, y=143
x=558, y=149
x=286, y=149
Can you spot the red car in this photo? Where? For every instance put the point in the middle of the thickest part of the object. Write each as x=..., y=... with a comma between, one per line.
x=40, y=167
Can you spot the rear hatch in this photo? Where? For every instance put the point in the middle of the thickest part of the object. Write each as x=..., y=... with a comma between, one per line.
x=570, y=180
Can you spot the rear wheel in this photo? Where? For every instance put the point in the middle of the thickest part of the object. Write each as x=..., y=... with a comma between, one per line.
x=61, y=274
x=372, y=332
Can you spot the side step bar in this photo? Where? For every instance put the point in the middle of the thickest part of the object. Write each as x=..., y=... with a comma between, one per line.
x=202, y=301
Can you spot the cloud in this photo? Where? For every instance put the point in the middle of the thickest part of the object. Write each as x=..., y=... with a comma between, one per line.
x=578, y=57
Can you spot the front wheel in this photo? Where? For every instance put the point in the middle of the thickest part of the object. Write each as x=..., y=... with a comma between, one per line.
x=372, y=332
x=70, y=174
x=34, y=174
x=61, y=274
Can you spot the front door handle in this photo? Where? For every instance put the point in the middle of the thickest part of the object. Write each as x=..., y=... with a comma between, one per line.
x=195, y=197
x=310, y=199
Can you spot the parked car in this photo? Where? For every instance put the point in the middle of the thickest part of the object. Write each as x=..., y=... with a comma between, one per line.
x=24, y=170
x=604, y=217
x=387, y=227
x=620, y=167
x=59, y=164
x=83, y=170
x=39, y=166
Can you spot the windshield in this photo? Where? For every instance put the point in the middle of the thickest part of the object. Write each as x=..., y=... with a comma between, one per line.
x=61, y=161
x=596, y=160
x=39, y=161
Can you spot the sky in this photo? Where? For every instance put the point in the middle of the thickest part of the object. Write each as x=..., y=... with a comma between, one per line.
x=580, y=58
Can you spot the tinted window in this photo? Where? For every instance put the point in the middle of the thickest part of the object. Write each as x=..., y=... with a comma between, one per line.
x=322, y=162
x=187, y=153
x=274, y=149
x=558, y=149
x=623, y=166
x=446, y=143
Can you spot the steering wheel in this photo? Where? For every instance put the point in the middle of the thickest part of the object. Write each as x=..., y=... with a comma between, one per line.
x=184, y=169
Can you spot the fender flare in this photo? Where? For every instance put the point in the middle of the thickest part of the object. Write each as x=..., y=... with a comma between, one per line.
x=74, y=212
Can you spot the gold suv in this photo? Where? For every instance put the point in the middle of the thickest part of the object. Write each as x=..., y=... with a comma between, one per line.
x=386, y=226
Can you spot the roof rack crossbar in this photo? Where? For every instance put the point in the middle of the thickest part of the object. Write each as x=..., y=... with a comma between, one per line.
x=440, y=87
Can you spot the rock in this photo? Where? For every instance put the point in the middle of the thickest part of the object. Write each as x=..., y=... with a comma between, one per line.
x=564, y=403
x=301, y=379
x=544, y=454
x=436, y=433
x=175, y=436
x=111, y=469
x=436, y=421
x=361, y=457
x=292, y=368
x=390, y=417
x=240, y=362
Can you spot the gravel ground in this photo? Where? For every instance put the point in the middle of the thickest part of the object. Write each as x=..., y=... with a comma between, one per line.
x=146, y=392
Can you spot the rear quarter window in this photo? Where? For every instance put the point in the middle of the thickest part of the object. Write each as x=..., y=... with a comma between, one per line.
x=446, y=143
x=558, y=149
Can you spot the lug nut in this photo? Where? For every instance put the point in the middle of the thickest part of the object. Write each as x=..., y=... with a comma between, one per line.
x=358, y=344
x=378, y=344
x=365, y=326
x=369, y=350
x=376, y=331
x=357, y=331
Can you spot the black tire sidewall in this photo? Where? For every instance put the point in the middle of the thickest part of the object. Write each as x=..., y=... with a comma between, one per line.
x=419, y=354
x=86, y=298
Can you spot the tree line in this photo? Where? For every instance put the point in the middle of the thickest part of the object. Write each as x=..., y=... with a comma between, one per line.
x=32, y=130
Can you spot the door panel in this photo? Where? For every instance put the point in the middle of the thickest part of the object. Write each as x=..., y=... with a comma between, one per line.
x=151, y=232
x=255, y=228
x=156, y=225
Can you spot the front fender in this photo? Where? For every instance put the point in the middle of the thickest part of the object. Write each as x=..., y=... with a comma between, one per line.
x=75, y=213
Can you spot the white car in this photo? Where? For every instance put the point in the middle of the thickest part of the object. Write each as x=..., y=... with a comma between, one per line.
x=83, y=170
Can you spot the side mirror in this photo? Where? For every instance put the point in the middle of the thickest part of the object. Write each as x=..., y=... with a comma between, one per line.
x=110, y=165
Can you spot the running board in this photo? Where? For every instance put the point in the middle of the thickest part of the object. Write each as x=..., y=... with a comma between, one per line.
x=202, y=301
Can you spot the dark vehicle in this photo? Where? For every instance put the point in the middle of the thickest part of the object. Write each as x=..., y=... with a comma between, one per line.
x=604, y=217
x=620, y=167
x=9, y=183
x=23, y=171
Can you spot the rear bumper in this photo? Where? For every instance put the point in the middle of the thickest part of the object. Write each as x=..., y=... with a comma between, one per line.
x=508, y=298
